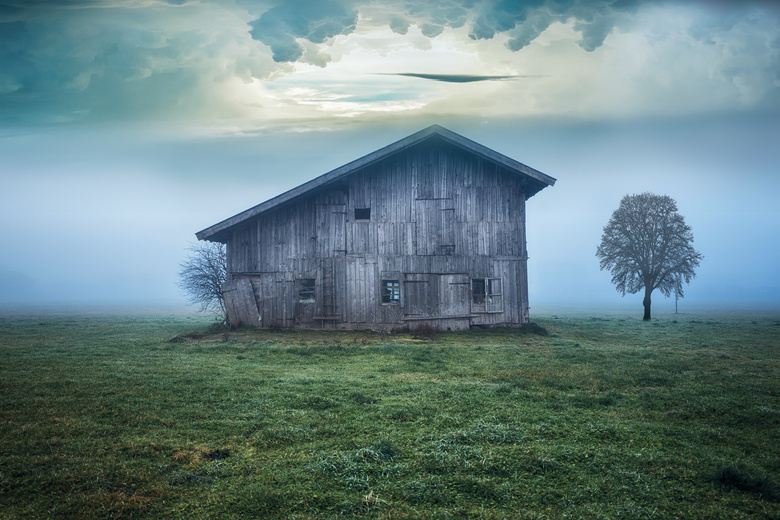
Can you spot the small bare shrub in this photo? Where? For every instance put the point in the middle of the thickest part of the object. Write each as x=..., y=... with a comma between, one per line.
x=425, y=331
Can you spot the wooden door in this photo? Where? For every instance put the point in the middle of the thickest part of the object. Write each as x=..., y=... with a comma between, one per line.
x=419, y=298
x=454, y=296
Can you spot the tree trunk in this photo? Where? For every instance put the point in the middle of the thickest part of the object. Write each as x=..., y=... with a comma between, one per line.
x=646, y=303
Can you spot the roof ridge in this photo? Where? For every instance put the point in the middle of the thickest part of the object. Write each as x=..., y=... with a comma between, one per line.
x=368, y=159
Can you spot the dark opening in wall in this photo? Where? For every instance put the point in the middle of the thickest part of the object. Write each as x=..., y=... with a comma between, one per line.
x=362, y=213
x=306, y=290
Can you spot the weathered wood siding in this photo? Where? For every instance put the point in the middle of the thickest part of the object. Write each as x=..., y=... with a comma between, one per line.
x=439, y=217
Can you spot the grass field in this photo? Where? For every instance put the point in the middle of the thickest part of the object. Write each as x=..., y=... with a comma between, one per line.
x=604, y=417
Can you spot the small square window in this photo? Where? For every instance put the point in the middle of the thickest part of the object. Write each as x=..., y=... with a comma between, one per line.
x=391, y=291
x=306, y=288
x=362, y=213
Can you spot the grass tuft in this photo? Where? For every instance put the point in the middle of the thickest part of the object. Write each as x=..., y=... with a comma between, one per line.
x=182, y=338
x=534, y=328
x=741, y=478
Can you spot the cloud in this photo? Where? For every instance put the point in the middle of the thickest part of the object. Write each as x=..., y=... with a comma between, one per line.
x=283, y=26
x=280, y=27
x=452, y=78
x=521, y=22
x=399, y=25
x=431, y=30
x=594, y=32
x=122, y=60
x=97, y=60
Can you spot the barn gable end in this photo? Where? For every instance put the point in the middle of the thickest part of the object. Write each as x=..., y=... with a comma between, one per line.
x=429, y=230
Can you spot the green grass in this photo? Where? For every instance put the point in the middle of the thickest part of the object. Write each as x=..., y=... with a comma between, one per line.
x=605, y=417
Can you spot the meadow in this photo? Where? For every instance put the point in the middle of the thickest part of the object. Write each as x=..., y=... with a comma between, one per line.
x=604, y=416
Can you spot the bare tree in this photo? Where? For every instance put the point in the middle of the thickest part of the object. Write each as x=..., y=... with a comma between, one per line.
x=202, y=275
x=647, y=245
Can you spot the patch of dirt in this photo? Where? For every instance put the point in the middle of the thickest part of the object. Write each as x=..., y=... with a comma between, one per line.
x=182, y=338
x=217, y=454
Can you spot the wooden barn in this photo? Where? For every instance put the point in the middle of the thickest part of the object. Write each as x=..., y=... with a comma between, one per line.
x=429, y=230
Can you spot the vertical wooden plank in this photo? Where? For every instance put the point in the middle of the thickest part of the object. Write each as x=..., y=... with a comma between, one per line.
x=257, y=291
x=229, y=295
x=363, y=302
x=372, y=300
x=339, y=280
x=339, y=221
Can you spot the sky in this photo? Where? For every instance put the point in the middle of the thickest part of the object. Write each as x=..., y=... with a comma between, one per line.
x=128, y=125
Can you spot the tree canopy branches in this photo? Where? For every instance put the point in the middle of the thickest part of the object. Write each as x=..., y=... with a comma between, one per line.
x=647, y=245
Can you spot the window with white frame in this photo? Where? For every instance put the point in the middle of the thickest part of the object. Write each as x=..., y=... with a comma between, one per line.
x=486, y=294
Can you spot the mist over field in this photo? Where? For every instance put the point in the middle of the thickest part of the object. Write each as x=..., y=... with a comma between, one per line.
x=125, y=127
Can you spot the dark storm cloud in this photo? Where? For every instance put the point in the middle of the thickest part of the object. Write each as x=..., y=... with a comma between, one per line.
x=522, y=21
x=280, y=26
x=452, y=78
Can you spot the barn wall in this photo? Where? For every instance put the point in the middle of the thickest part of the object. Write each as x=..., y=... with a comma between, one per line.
x=439, y=216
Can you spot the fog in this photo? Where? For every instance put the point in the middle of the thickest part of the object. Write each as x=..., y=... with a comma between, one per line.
x=111, y=225
x=125, y=129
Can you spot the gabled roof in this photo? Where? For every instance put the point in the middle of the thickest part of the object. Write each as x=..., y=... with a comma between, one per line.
x=536, y=180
